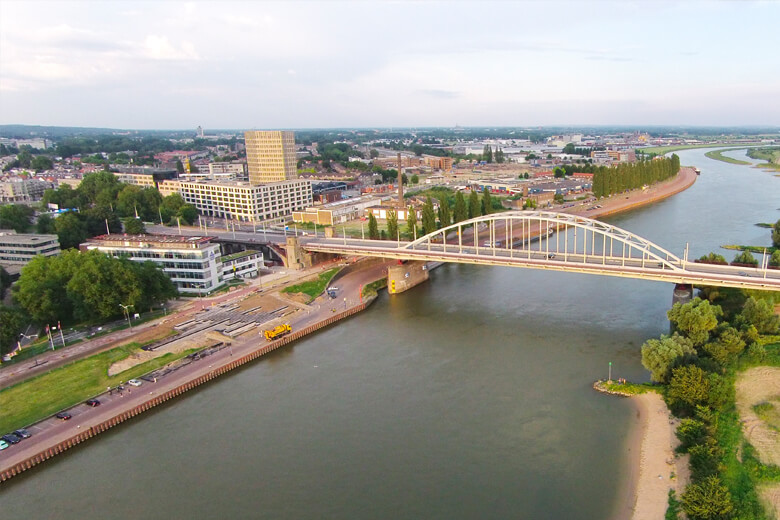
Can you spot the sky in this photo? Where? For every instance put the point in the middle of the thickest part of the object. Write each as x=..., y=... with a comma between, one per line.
x=317, y=64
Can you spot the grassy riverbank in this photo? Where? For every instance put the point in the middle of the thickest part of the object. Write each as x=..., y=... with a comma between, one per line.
x=661, y=150
x=66, y=386
x=313, y=288
x=718, y=156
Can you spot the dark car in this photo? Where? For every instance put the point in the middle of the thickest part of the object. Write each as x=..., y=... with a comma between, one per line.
x=63, y=415
x=93, y=402
x=24, y=434
x=10, y=438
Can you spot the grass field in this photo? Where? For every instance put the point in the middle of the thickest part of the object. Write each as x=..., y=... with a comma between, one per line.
x=313, y=288
x=63, y=387
x=666, y=149
x=718, y=156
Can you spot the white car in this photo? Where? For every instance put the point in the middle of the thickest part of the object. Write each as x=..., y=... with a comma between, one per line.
x=135, y=382
x=3, y=444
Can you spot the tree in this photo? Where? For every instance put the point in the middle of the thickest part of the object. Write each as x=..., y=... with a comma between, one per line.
x=691, y=432
x=40, y=163
x=71, y=231
x=188, y=214
x=499, y=156
x=659, y=356
x=12, y=322
x=761, y=315
x=16, y=216
x=392, y=224
x=776, y=234
x=745, y=258
x=5, y=281
x=569, y=149
x=373, y=229
x=695, y=319
x=415, y=179
x=713, y=258
x=475, y=207
x=373, y=153
x=445, y=216
x=45, y=225
x=688, y=387
x=94, y=183
x=707, y=500
x=487, y=154
x=726, y=347
x=558, y=197
x=487, y=202
x=134, y=226
x=428, y=217
x=179, y=166
x=411, y=222
x=774, y=260
x=460, y=212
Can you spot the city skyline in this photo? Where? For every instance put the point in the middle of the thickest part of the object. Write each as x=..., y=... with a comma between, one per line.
x=421, y=64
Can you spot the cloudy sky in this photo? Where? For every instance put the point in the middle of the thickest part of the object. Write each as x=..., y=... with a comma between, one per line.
x=308, y=64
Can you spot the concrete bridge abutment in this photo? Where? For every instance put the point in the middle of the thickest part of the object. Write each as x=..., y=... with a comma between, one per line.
x=403, y=277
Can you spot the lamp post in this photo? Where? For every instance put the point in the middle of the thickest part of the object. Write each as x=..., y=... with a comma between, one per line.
x=127, y=314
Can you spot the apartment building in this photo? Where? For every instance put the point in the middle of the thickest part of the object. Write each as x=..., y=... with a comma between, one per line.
x=18, y=248
x=192, y=263
x=270, y=156
x=246, y=202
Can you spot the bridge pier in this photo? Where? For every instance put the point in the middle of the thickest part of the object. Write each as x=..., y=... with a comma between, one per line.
x=683, y=293
x=297, y=257
x=403, y=277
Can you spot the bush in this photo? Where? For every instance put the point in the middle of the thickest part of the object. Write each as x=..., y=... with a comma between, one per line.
x=756, y=352
x=688, y=388
x=704, y=460
x=690, y=433
x=707, y=500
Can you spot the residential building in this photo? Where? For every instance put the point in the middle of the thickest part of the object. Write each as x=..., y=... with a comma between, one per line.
x=23, y=190
x=18, y=249
x=246, y=202
x=192, y=263
x=270, y=156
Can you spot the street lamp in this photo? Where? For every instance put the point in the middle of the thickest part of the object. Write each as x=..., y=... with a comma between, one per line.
x=127, y=314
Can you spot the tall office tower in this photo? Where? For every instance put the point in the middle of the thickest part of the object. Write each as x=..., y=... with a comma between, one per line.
x=270, y=156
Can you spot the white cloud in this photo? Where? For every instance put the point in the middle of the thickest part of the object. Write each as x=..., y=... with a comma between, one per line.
x=160, y=48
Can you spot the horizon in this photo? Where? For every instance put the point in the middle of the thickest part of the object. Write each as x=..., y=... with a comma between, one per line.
x=312, y=65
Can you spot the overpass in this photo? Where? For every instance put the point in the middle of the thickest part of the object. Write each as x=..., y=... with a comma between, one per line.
x=553, y=241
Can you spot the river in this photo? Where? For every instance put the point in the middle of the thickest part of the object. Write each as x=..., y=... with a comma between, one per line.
x=467, y=397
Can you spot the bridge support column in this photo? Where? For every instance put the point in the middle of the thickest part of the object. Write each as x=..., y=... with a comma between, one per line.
x=403, y=277
x=683, y=293
x=297, y=258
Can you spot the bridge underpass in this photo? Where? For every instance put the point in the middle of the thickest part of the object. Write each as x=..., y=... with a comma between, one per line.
x=553, y=241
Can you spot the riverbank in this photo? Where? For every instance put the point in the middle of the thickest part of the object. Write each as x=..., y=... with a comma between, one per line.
x=654, y=469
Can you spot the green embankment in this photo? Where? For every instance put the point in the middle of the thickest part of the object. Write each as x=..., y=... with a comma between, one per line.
x=661, y=150
x=718, y=156
x=752, y=249
x=771, y=154
x=313, y=288
x=66, y=386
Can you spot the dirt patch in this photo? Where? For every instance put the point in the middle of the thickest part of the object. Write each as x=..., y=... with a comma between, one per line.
x=141, y=356
x=755, y=386
x=770, y=496
x=266, y=302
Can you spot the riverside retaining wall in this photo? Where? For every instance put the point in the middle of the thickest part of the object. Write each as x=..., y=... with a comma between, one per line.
x=87, y=434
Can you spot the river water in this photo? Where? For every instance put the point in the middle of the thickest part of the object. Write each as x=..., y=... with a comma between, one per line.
x=467, y=397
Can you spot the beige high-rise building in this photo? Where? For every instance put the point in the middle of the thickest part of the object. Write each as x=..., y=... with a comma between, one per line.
x=270, y=156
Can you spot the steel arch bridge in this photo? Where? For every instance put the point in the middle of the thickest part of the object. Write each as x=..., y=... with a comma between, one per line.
x=553, y=241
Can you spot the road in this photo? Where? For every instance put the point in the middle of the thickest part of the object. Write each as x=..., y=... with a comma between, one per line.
x=52, y=431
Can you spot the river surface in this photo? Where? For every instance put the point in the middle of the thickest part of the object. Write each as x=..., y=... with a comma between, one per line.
x=467, y=397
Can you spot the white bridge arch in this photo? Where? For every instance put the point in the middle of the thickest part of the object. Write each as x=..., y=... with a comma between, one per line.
x=516, y=232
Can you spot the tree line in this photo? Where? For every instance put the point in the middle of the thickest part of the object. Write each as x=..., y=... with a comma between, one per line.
x=697, y=366
x=629, y=176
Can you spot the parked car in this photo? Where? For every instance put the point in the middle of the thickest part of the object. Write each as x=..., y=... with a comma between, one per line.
x=10, y=438
x=63, y=415
x=93, y=402
x=24, y=434
x=3, y=444
x=135, y=382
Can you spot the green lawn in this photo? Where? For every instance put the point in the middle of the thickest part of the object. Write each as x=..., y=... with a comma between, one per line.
x=313, y=288
x=40, y=397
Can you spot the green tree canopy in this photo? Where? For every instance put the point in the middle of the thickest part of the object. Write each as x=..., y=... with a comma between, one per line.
x=776, y=234
x=12, y=323
x=411, y=223
x=688, y=387
x=5, y=281
x=16, y=216
x=728, y=345
x=134, y=226
x=373, y=228
x=461, y=211
x=392, y=225
x=71, y=230
x=713, y=258
x=475, y=206
x=745, y=258
x=428, y=217
x=487, y=202
x=707, y=500
x=445, y=215
x=659, y=356
x=761, y=315
x=695, y=320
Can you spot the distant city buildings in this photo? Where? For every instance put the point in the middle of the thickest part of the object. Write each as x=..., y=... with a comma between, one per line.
x=23, y=190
